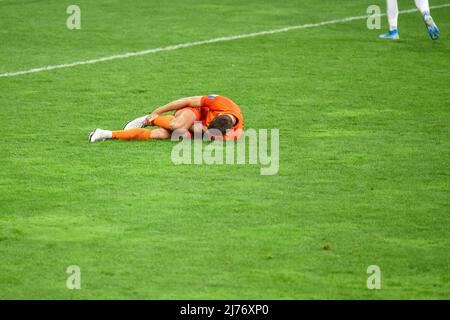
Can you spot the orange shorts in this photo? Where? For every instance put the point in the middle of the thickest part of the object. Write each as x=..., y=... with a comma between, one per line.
x=197, y=112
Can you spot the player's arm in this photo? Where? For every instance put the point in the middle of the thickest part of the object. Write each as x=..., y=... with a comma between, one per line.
x=179, y=104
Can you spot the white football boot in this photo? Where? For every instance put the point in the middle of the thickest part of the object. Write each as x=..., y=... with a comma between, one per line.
x=99, y=135
x=136, y=123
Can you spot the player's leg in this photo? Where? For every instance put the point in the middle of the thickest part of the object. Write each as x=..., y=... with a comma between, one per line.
x=183, y=119
x=131, y=134
x=180, y=120
x=392, y=15
x=141, y=134
x=424, y=7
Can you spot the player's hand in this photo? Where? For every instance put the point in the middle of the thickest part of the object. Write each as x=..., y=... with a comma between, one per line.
x=152, y=116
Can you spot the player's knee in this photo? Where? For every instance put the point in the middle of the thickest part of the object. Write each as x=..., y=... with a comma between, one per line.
x=176, y=125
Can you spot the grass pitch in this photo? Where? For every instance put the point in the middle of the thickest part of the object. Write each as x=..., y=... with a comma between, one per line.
x=364, y=154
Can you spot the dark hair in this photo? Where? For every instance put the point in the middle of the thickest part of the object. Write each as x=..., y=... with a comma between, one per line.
x=221, y=123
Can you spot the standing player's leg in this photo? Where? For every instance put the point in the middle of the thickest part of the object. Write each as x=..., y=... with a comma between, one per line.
x=424, y=7
x=392, y=15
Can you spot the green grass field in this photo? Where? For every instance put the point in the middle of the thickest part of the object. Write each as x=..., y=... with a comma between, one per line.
x=364, y=154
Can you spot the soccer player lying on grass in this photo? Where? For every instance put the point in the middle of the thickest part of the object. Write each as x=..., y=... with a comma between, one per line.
x=214, y=112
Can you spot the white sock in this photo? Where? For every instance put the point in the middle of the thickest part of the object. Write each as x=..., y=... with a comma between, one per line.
x=423, y=6
x=104, y=134
x=392, y=13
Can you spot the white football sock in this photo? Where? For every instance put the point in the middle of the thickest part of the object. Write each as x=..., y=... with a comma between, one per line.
x=423, y=6
x=392, y=13
x=104, y=134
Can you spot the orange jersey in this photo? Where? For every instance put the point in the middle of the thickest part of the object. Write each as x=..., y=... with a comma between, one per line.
x=213, y=106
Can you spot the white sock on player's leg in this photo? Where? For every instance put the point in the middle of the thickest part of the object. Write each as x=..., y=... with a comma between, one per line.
x=105, y=134
x=423, y=6
x=392, y=13
x=136, y=123
x=100, y=135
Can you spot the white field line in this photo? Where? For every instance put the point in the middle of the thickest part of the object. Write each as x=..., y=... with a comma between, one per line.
x=198, y=43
